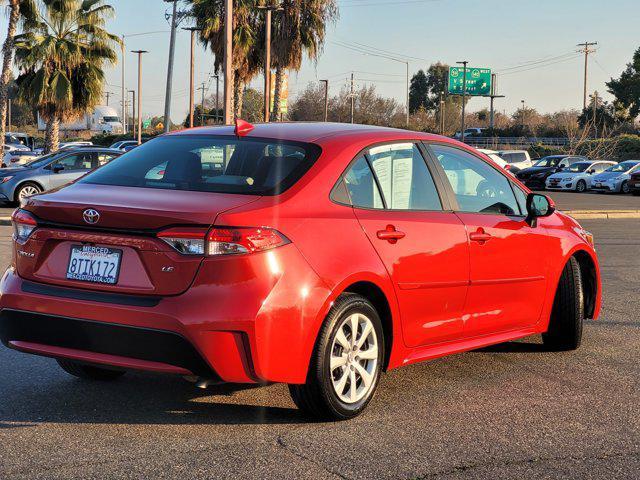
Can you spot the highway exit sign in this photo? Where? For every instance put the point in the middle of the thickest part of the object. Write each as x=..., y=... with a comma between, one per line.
x=478, y=81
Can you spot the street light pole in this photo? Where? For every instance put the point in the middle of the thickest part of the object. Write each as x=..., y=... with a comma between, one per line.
x=172, y=49
x=140, y=53
x=464, y=94
x=203, y=87
x=326, y=99
x=193, y=31
x=133, y=107
x=124, y=88
x=408, y=94
x=217, y=77
x=442, y=107
x=228, y=61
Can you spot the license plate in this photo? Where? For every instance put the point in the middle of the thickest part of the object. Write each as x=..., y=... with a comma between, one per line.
x=88, y=263
x=598, y=184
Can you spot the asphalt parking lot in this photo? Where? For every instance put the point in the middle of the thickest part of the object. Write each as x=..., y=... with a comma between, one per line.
x=510, y=411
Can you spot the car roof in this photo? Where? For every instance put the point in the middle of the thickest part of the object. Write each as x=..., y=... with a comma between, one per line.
x=313, y=132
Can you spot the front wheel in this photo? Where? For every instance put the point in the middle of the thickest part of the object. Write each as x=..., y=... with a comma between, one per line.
x=567, y=315
x=346, y=363
x=581, y=186
x=89, y=372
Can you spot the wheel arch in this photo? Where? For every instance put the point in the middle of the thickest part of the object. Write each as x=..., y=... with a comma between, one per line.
x=589, y=273
x=378, y=299
x=19, y=185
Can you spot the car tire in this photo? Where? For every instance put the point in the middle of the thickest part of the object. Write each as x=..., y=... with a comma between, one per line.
x=567, y=316
x=624, y=188
x=581, y=186
x=27, y=189
x=89, y=372
x=327, y=394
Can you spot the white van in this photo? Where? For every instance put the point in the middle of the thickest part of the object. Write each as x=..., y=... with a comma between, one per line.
x=518, y=159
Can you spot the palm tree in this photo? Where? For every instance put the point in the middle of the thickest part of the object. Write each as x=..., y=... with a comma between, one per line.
x=299, y=28
x=247, y=29
x=17, y=9
x=61, y=60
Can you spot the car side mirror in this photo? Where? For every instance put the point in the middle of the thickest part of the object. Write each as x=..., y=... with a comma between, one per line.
x=538, y=206
x=58, y=168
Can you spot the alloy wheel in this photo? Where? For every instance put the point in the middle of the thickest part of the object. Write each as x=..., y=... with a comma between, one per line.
x=354, y=358
x=28, y=191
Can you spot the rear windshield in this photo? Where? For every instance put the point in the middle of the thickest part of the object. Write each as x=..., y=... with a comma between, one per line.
x=210, y=164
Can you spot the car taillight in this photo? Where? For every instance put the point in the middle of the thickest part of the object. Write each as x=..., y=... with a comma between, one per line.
x=188, y=241
x=222, y=240
x=23, y=224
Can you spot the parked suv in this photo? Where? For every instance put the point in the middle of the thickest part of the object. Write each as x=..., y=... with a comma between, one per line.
x=634, y=183
x=317, y=255
x=517, y=159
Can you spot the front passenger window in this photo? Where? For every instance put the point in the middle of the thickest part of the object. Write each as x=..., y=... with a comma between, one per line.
x=478, y=187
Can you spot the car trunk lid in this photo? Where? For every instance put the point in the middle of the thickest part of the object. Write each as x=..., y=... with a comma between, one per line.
x=128, y=221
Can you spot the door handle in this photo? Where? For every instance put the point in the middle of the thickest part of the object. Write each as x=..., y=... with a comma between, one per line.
x=390, y=234
x=480, y=236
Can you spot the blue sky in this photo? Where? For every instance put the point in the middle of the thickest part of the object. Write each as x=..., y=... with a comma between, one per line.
x=497, y=34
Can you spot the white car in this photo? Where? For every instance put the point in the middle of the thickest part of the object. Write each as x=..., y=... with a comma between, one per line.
x=17, y=158
x=577, y=176
x=471, y=132
x=496, y=158
x=518, y=159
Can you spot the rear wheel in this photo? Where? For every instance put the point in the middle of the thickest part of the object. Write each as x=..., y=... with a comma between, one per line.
x=89, y=372
x=346, y=364
x=567, y=315
x=625, y=187
x=581, y=186
x=26, y=190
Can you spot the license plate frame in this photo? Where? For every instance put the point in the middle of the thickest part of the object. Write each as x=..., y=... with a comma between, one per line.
x=112, y=257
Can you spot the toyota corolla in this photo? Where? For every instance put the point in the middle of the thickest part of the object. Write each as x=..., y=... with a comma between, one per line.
x=317, y=255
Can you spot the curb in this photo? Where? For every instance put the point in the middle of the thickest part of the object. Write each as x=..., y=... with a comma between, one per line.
x=602, y=214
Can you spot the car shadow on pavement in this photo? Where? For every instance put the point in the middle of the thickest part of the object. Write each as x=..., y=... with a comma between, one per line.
x=141, y=399
x=515, y=347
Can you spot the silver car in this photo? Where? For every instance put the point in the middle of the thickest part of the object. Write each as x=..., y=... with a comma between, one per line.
x=51, y=171
x=616, y=178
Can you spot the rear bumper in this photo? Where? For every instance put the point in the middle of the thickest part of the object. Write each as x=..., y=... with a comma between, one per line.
x=241, y=321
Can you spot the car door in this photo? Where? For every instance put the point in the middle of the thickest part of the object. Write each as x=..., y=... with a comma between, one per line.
x=508, y=258
x=70, y=167
x=422, y=244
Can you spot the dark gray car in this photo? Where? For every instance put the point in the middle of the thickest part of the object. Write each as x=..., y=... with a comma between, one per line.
x=51, y=171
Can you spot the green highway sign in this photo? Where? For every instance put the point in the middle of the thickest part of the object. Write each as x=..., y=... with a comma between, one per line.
x=478, y=81
x=146, y=123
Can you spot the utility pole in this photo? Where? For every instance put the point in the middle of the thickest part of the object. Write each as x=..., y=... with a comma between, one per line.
x=203, y=87
x=133, y=107
x=326, y=99
x=193, y=31
x=172, y=49
x=353, y=100
x=9, y=114
x=464, y=94
x=493, y=96
x=442, y=112
x=228, y=61
x=140, y=53
x=124, y=89
x=217, y=77
x=522, y=114
x=108, y=94
x=595, y=109
x=586, y=49
x=408, y=94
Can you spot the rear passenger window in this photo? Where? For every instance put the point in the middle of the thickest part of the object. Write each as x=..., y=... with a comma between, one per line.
x=361, y=185
x=404, y=178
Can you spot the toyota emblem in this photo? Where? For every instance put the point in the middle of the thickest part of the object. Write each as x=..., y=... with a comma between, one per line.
x=91, y=216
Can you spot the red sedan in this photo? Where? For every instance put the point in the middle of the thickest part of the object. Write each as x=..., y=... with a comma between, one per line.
x=318, y=255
